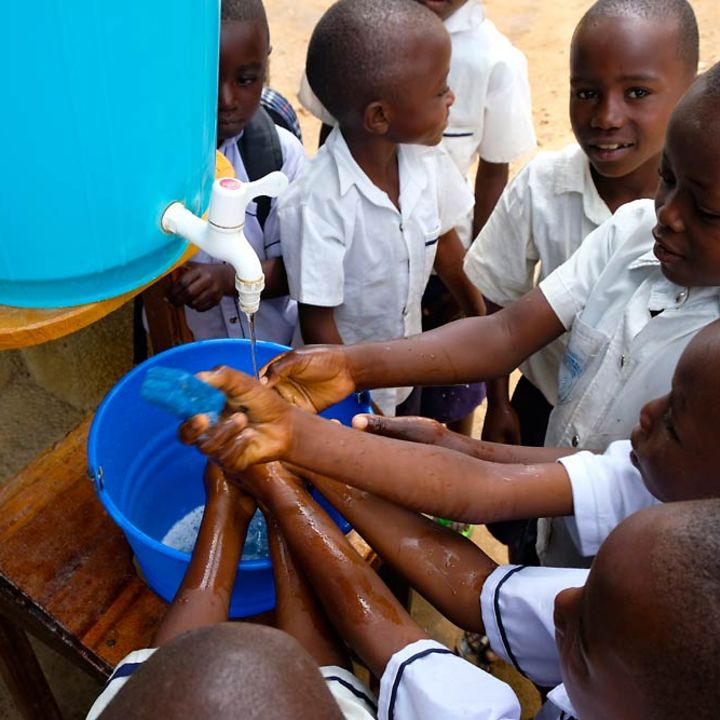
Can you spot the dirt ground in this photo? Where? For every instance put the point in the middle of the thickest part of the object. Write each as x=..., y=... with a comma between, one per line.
x=542, y=30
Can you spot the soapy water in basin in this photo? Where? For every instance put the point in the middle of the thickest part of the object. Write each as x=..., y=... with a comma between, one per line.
x=183, y=534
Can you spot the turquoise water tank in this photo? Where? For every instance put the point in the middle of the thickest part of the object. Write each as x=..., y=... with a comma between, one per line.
x=108, y=117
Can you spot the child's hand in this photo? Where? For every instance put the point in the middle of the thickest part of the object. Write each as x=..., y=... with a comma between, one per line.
x=218, y=485
x=501, y=425
x=412, y=429
x=256, y=425
x=201, y=286
x=312, y=378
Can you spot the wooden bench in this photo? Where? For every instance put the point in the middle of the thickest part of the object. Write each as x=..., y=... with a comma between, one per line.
x=67, y=576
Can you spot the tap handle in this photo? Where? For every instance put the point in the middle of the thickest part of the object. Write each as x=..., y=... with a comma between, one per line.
x=230, y=198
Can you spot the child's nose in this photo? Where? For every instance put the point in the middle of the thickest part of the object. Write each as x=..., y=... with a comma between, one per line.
x=450, y=98
x=609, y=113
x=225, y=95
x=668, y=212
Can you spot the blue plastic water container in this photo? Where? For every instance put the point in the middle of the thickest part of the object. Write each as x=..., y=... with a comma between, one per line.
x=108, y=117
x=148, y=480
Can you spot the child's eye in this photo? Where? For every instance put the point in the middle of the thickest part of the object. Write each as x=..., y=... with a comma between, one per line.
x=586, y=94
x=667, y=422
x=444, y=91
x=247, y=79
x=638, y=93
x=666, y=177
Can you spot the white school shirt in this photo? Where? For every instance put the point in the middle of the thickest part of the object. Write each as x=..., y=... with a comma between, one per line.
x=276, y=319
x=346, y=246
x=606, y=489
x=619, y=356
x=540, y=220
x=425, y=680
x=492, y=114
x=355, y=701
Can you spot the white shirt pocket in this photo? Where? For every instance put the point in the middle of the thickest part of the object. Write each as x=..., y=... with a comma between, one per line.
x=584, y=347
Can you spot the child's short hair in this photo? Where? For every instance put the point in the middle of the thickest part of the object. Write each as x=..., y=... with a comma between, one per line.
x=355, y=52
x=685, y=565
x=243, y=11
x=679, y=10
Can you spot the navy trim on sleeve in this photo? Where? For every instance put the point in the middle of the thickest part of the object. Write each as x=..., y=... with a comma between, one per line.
x=501, y=627
x=125, y=670
x=401, y=669
x=431, y=242
x=466, y=134
x=353, y=690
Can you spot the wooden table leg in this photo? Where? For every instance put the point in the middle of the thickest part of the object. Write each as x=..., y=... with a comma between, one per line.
x=23, y=675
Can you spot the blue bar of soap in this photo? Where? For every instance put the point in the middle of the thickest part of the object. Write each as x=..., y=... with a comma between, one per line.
x=181, y=393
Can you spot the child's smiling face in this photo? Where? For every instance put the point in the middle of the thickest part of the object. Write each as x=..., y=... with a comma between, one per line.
x=687, y=202
x=244, y=49
x=625, y=77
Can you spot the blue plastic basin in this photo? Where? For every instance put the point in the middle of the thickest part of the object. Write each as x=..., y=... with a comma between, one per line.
x=148, y=480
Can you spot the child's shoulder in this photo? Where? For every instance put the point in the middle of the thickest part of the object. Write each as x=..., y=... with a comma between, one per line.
x=555, y=171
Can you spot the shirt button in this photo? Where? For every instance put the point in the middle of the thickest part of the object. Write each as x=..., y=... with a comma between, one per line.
x=622, y=361
x=681, y=297
x=234, y=320
x=575, y=441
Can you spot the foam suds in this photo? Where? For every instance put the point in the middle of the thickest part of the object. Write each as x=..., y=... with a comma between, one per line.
x=184, y=532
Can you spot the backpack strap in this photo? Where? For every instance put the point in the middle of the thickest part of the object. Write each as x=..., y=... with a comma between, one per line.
x=261, y=152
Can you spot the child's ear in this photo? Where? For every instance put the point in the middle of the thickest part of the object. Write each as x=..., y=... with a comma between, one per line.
x=375, y=118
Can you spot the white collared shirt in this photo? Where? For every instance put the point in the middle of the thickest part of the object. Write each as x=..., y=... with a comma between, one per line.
x=540, y=220
x=606, y=489
x=492, y=114
x=629, y=326
x=276, y=319
x=346, y=245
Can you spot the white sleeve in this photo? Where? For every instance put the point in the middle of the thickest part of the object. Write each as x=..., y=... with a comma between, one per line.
x=508, y=131
x=356, y=702
x=606, y=489
x=314, y=252
x=293, y=162
x=121, y=674
x=501, y=262
x=310, y=102
x=455, y=201
x=518, y=605
x=568, y=287
x=426, y=681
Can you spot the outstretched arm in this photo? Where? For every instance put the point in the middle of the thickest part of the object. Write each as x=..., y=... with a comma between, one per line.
x=447, y=569
x=431, y=432
x=204, y=595
x=297, y=610
x=366, y=614
x=467, y=350
x=423, y=478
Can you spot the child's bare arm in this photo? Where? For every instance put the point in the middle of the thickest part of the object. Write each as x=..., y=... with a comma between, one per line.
x=366, y=614
x=297, y=610
x=423, y=478
x=317, y=325
x=449, y=267
x=431, y=432
x=443, y=566
x=468, y=350
x=204, y=595
x=276, y=284
x=490, y=181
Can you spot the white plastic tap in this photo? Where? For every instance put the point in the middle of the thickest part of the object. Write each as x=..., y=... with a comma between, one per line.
x=222, y=234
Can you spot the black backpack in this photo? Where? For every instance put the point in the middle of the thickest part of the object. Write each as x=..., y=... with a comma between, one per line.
x=261, y=152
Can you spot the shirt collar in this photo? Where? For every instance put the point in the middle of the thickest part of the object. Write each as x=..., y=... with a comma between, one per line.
x=350, y=174
x=467, y=17
x=574, y=175
x=558, y=696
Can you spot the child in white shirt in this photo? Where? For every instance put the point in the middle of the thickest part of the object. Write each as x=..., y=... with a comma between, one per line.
x=375, y=210
x=544, y=215
x=206, y=286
